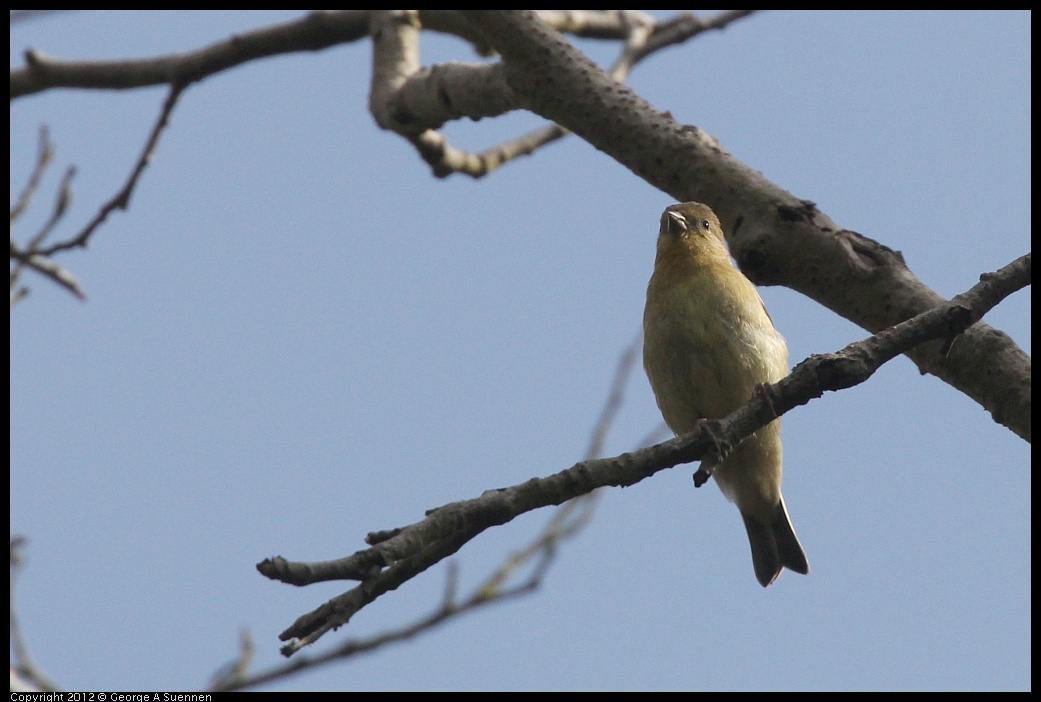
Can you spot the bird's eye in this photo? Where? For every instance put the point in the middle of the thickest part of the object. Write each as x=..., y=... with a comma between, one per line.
x=705, y=224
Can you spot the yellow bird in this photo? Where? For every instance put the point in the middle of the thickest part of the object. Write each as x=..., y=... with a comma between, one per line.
x=708, y=342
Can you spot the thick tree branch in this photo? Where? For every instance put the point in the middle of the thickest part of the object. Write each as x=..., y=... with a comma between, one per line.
x=420, y=101
x=776, y=238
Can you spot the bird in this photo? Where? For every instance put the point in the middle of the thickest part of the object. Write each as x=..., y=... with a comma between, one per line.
x=709, y=344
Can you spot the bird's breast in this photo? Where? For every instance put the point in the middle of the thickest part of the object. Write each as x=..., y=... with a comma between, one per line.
x=708, y=342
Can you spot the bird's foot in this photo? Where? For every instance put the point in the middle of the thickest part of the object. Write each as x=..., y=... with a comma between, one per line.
x=715, y=456
x=766, y=393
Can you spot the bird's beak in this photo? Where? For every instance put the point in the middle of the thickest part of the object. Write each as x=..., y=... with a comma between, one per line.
x=673, y=223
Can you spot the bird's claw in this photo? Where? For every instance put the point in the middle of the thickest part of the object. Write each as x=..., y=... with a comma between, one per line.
x=765, y=392
x=715, y=456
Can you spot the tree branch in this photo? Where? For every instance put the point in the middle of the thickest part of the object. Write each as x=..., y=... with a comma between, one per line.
x=423, y=100
x=776, y=238
x=121, y=200
x=32, y=256
x=314, y=32
x=398, y=555
x=566, y=522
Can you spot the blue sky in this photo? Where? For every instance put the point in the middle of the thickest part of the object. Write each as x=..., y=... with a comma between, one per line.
x=297, y=335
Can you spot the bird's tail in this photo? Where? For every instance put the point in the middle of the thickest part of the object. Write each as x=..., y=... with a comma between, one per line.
x=774, y=546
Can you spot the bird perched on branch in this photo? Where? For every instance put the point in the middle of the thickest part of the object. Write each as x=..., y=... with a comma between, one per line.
x=709, y=344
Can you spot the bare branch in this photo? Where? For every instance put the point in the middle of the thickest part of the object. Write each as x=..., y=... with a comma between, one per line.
x=445, y=159
x=448, y=610
x=44, y=155
x=566, y=522
x=121, y=200
x=235, y=674
x=314, y=32
x=776, y=238
x=61, y=206
x=615, y=397
x=19, y=16
x=44, y=266
x=684, y=27
x=422, y=100
x=39, y=258
x=29, y=672
x=427, y=89
x=32, y=256
x=406, y=552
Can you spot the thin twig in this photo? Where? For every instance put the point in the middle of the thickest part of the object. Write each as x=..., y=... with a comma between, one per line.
x=24, y=665
x=121, y=200
x=31, y=257
x=542, y=550
x=46, y=267
x=44, y=155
